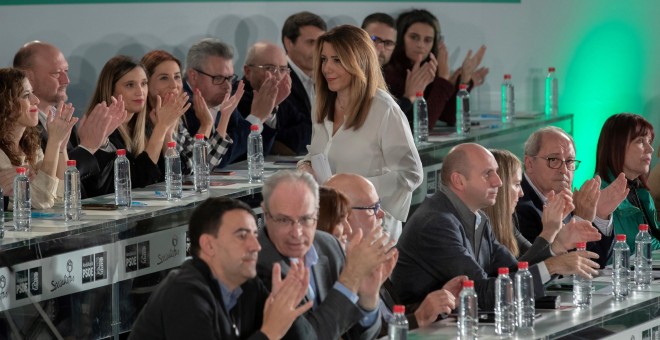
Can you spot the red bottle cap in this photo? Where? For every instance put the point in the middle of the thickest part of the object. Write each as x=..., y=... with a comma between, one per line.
x=20, y=170
x=643, y=227
x=551, y=69
x=399, y=309
x=71, y=162
x=419, y=94
x=523, y=265
x=121, y=152
x=254, y=127
x=468, y=284
x=503, y=271
x=621, y=237
x=171, y=144
x=581, y=245
x=462, y=87
x=199, y=136
x=507, y=76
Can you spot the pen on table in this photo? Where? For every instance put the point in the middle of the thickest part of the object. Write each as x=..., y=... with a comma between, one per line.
x=138, y=204
x=38, y=214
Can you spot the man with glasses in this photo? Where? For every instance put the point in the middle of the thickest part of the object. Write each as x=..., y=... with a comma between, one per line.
x=380, y=27
x=344, y=288
x=267, y=88
x=365, y=214
x=549, y=168
x=210, y=74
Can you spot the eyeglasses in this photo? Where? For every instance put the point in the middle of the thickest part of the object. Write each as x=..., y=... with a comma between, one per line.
x=273, y=69
x=218, y=80
x=388, y=44
x=284, y=221
x=556, y=163
x=372, y=210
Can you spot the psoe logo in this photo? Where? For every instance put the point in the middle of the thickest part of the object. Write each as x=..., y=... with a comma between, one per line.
x=65, y=280
x=3, y=285
x=170, y=253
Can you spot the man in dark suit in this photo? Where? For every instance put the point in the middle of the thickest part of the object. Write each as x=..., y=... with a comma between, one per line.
x=267, y=77
x=210, y=70
x=299, y=34
x=549, y=167
x=216, y=294
x=449, y=235
x=345, y=291
x=48, y=72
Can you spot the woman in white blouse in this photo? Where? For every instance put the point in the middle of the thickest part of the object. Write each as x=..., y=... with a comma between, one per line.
x=358, y=126
x=19, y=138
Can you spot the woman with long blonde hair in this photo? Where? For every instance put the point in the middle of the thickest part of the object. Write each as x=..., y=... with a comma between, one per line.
x=358, y=126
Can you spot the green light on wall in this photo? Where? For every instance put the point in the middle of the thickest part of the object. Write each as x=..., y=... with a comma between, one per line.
x=603, y=78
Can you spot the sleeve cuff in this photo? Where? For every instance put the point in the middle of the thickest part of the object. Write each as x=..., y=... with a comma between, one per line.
x=605, y=226
x=543, y=271
x=346, y=292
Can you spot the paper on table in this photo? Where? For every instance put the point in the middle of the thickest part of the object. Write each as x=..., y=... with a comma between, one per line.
x=235, y=185
x=321, y=167
x=118, y=212
x=444, y=137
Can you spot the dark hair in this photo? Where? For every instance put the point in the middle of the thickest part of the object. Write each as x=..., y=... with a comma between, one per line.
x=292, y=25
x=617, y=132
x=333, y=206
x=403, y=23
x=11, y=88
x=207, y=218
x=379, y=17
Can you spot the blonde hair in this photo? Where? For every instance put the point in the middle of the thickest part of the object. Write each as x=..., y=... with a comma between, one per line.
x=133, y=133
x=358, y=57
x=500, y=219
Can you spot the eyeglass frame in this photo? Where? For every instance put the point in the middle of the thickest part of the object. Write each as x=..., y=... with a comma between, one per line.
x=387, y=44
x=375, y=208
x=567, y=162
x=289, y=222
x=276, y=69
x=230, y=79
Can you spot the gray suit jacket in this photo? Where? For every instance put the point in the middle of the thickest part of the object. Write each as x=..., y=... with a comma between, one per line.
x=436, y=246
x=336, y=316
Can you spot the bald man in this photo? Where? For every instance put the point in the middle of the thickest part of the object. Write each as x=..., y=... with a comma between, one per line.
x=267, y=88
x=449, y=235
x=48, y=73
x=365, y=214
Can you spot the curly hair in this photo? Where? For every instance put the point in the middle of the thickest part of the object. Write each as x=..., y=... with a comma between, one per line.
x=11, y=87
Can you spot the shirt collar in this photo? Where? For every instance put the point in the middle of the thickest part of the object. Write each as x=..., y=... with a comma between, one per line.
x=303, y=77
x=538, y=193
x=229, y=298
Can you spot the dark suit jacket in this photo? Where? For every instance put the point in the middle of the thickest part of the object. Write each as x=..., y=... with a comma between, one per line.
x=85, y=161
x=435, y=247
x=529, y=212
x=294, y=126
x=238, y=130
x=336, y=316
x=188, y=305
x=298, y=94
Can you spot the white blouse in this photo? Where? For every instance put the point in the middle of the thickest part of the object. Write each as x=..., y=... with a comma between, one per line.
x=44, y=189
x=382, y=150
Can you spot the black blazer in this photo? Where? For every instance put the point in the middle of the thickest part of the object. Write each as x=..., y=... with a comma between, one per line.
x=529, y=212
x=238, y=130
x=435, y=247
x=298, y=94
x=294, y=126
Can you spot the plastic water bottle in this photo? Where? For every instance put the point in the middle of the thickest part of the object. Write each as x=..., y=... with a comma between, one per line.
x=173, y=173
x=123, y=196
x=468, y=314
x=420, y=119
x=551, y=93
x=505, y=310
x=643, y=258
x=508, y=100
x=462, y=111
x=397, y=328
x=22, y=202
x=255, y=155
x=200, y=164
x=620, y=268
x=581, y=285
x=2, y=215
x=524, y=297
x=72, y=203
